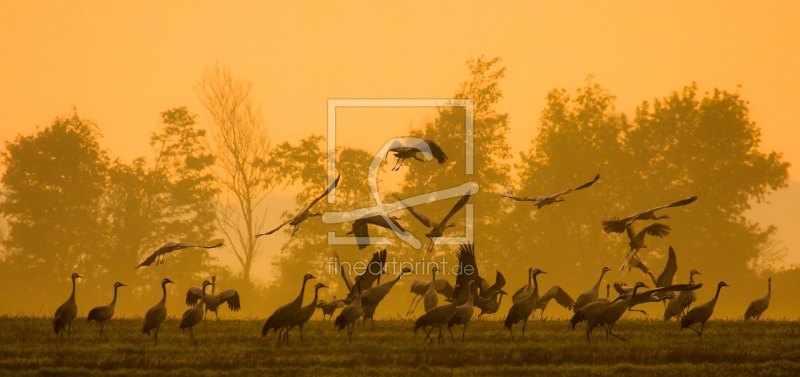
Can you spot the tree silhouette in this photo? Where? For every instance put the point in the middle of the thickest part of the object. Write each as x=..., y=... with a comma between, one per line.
x=54, y=183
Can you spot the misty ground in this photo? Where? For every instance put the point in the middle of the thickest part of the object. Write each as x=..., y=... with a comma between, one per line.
x=28, y=346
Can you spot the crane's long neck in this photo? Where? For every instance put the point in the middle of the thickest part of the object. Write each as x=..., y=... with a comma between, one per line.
x=114, y=301
x=203, y=297
x=719, y=288
x=72, y=296
x=597, y=286
x=608, y=291
x=535, y=293
x=470, y=301
x=769, y=287
x=316, y=295
x=434, y=278
x=393, y=282
x=164, y=288
x=303, y=289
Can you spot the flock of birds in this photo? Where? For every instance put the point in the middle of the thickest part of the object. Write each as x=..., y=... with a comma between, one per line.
x=471, y=291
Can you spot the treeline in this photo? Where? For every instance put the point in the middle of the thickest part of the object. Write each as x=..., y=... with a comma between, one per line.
x=69, y=208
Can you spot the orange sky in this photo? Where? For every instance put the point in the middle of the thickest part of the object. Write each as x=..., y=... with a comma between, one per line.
x=121, y=63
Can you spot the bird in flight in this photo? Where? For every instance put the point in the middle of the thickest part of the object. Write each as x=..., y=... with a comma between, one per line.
x=616, y=225
x=437, y=228
x=169, y=247
x=403, y=152
x=305, y=213
x=542, y=201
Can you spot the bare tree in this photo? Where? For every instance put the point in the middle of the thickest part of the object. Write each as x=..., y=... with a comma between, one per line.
x=240, y=139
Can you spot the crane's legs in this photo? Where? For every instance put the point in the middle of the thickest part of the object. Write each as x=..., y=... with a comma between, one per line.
x=440, y=338
x=295, y=229
x=512, y=333
x=69, y=330
x=427, y=335
x=156, y=335
x=413, y=307
x=451, y=334
x=608, y=332
x=192, y=335
x=464, y=333
x=524, y=322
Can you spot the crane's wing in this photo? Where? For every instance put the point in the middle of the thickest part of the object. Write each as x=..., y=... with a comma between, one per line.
x=670, y=288
x=232, y=298
x=635, y=263
x=436, y=151
x=149, y=260
x=468, y=267
x=667, y=276
x=518, y=292
x=193, y=295
x=622, y=289
x=346, y=278
x=330, y=188
x=461, y=202
x=276, y=229
x=510, y=195
x=616, y=225
x=499, y=283
x=630, y=232
x=425, y=220
x=340, y=304
x=371, y=274
x=655, y=229
x=562, y=298
x=581, y=187
x=676, y=204
x=446, y=290
x=184, y=245
x=321, y=304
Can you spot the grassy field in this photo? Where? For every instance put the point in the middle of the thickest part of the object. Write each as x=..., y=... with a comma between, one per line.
x=28, y=346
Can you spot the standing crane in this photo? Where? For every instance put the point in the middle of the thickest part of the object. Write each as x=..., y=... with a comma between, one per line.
x=555, y=292
x=194, y=315
x=489, y=305
x=305, y=214
x=403, y=152
x=157, y=314
x=437, y=228
x=169, y=247
x=464, y=312
x=614, y=312
x=282, y=317
x=329, y=308
x=67, y=312
x=351, y=313
x=758, y=307
x=420, y=287
x=213, y=301
x=373, y=296
x=306, y=312
x=542, y=201
x=616, y=225
x=431, y=298
x=437, y=317
x=701, y=314
x=101, y=314
x=523, y=309
x=591, y=295
x=677, y=307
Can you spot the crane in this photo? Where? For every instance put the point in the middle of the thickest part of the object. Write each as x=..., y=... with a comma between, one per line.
x=403, y=152
x=305, y=214
x=542, y=201
x=157, y=314
x=437, y=228
x=101, y=314
x=169, y=247
x=67, y=312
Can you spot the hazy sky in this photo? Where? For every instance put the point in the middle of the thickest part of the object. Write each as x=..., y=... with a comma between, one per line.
x=123, y=62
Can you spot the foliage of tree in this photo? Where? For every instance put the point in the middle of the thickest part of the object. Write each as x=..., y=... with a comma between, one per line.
x=54, y=183
x=678, y=147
